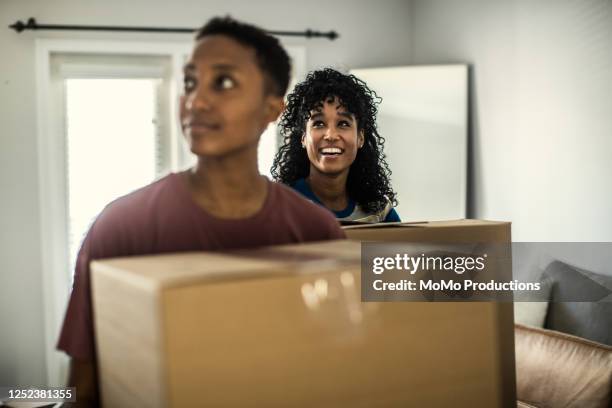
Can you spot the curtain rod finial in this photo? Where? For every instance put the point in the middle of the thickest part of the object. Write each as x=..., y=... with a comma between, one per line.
x=19, y=26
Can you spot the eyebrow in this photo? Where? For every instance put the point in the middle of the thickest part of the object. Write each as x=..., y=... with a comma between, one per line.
x=347, y=115
x=190, y=66
x=319, y=114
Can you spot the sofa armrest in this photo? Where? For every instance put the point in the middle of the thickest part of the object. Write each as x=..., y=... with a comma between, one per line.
x=559, y=370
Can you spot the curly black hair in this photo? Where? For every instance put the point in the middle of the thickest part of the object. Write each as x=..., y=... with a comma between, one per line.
x=272, y=58
x=368, y=181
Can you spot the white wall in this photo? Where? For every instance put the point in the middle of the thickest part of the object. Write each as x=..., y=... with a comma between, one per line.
x=423, y=117
x=541, y=112
x=362, y=25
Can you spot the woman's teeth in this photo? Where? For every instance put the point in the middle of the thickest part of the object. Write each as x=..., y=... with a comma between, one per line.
x=331, y=150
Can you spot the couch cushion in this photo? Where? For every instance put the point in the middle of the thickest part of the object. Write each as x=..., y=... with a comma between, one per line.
x=570, y=310
x=530, y=313
x=558, y=370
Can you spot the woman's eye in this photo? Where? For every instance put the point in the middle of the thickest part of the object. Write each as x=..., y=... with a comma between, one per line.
x=224, y=82
x=317, y=123
x=344, y=123
x=189, y=84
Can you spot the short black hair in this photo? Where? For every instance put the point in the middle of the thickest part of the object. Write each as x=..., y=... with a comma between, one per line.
x=271, y=56
x=368, y=181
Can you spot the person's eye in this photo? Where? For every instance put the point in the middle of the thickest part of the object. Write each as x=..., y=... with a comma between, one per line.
x=189, y=84
x=344, y=123
x=317, y=123
x=224, y=82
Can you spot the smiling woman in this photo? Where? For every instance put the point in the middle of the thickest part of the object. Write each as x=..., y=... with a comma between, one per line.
x=332, y=152
x=331, y=139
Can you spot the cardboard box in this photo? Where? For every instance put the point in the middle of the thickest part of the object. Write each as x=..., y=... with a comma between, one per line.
x=284, y=326
x=457, y=231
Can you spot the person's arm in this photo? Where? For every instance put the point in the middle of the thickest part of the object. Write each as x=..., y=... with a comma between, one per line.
x=83, y=375
x=105, y=239
x=76, y=337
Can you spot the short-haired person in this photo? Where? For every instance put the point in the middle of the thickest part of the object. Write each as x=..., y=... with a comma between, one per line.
x=234, y=83
x=332, y=152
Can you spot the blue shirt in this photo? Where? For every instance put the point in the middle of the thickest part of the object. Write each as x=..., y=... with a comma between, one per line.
x=351, y=212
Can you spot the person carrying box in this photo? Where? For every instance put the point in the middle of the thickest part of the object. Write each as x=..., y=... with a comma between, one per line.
x=234, y=83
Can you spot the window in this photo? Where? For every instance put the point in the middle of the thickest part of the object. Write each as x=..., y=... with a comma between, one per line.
x=112, y=145
x=115, y=131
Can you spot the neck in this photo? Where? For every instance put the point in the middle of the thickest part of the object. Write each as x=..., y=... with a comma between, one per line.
x=229, y=186
x=329, y=189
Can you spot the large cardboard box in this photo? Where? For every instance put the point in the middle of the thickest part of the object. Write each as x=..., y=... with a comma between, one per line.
x=285, y=327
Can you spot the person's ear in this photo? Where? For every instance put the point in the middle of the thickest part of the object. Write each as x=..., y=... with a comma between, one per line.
x=182, y=112
x=360, y=139
x=274, y=107
x=304, y=140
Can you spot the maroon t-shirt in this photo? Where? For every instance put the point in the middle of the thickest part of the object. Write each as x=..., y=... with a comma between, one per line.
x=163, y=217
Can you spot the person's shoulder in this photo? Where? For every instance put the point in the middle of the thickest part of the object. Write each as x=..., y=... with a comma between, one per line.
x=294, y=200
x=300, y=186
x=388, y=213
x=136, y=203
x=132, y=213
x=392, y=216
x=126, y=225
x=310, y=215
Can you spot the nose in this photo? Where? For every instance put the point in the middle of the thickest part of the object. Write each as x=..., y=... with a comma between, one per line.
x=330, y=134
x=198, y=100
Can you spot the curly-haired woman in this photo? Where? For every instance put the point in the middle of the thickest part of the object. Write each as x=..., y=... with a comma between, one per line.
x=332, y=152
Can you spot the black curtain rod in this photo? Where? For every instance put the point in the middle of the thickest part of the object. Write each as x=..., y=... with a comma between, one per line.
x=19, y=26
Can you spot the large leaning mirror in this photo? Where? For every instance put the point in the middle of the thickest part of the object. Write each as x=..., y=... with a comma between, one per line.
x=423, y=117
